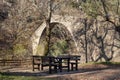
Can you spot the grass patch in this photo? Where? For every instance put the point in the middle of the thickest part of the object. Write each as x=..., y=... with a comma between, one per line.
x=104, y=63
x=108, y=63
x=89, y=63
x=7, y=77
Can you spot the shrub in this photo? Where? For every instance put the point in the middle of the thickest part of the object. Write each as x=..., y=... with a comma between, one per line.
x=19, y=50
x=59, y=48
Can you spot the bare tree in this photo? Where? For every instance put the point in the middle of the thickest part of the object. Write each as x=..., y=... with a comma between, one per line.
x=99, y=39
x=18, y=27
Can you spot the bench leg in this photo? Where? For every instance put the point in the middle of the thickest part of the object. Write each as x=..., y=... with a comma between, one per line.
x=72, y=67
x=33, y=67
x=76, y=67
x=50, y=69
x=55, y=68
x=38, y=67
x=41, y=67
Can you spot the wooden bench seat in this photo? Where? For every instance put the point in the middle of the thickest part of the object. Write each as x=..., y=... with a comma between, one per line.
x=74, y=62
x=36, y=62
x=47, y=61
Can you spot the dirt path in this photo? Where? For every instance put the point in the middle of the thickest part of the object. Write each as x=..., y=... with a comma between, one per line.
x=89, y=72
x=92, y=72
x=107, y=74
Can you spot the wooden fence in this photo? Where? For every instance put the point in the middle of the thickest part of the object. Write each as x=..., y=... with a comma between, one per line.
x=15, y=62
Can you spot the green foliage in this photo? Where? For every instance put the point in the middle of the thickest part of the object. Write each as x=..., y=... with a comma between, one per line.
x=59, y=48
x=108, y=63
x=19, y=50
x=104, y=63
x=92, y=8
x=7, y=77
x=75, y=4
x=113, y=6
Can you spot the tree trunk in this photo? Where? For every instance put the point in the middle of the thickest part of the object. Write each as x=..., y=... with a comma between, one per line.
x=48, y=29
x=86, y=55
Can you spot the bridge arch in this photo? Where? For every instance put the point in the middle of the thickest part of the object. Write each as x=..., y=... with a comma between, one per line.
x=36, y=38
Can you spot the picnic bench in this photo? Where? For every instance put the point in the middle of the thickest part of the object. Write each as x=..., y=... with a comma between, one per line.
x=56, y=63
x=51, y=62
x=74, y=62
x=70, y=62
x=45, y=61
x=36, y=62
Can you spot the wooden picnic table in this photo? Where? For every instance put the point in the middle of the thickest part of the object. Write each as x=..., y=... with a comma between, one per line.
x=67, y=60
x=45, y=61
x=59, y=62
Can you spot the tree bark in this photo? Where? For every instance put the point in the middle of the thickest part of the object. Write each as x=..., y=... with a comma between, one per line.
x=86, y=51
x=48, y=29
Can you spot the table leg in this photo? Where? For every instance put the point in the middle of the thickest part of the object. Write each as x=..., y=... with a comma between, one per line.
x=76, y=64
x=50, y=67
x=68, y=65
x=60, y=65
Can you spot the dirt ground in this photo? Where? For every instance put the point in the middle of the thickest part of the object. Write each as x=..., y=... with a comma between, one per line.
x=105, y=74
x=92, y=72
x=86, y=72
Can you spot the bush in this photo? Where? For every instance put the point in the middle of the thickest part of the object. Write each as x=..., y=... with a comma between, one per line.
x=59, y=48
x=19, y=50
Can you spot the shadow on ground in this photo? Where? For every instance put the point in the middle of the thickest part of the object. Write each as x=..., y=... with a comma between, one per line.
x=45, y=73
x=90, y=72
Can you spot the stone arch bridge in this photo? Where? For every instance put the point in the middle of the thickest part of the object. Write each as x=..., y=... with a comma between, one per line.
x=69, y=22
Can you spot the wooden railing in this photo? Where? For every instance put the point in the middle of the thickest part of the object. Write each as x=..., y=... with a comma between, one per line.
x=15, y=62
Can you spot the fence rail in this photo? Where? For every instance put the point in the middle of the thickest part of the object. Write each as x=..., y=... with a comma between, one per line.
x=15, y=62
